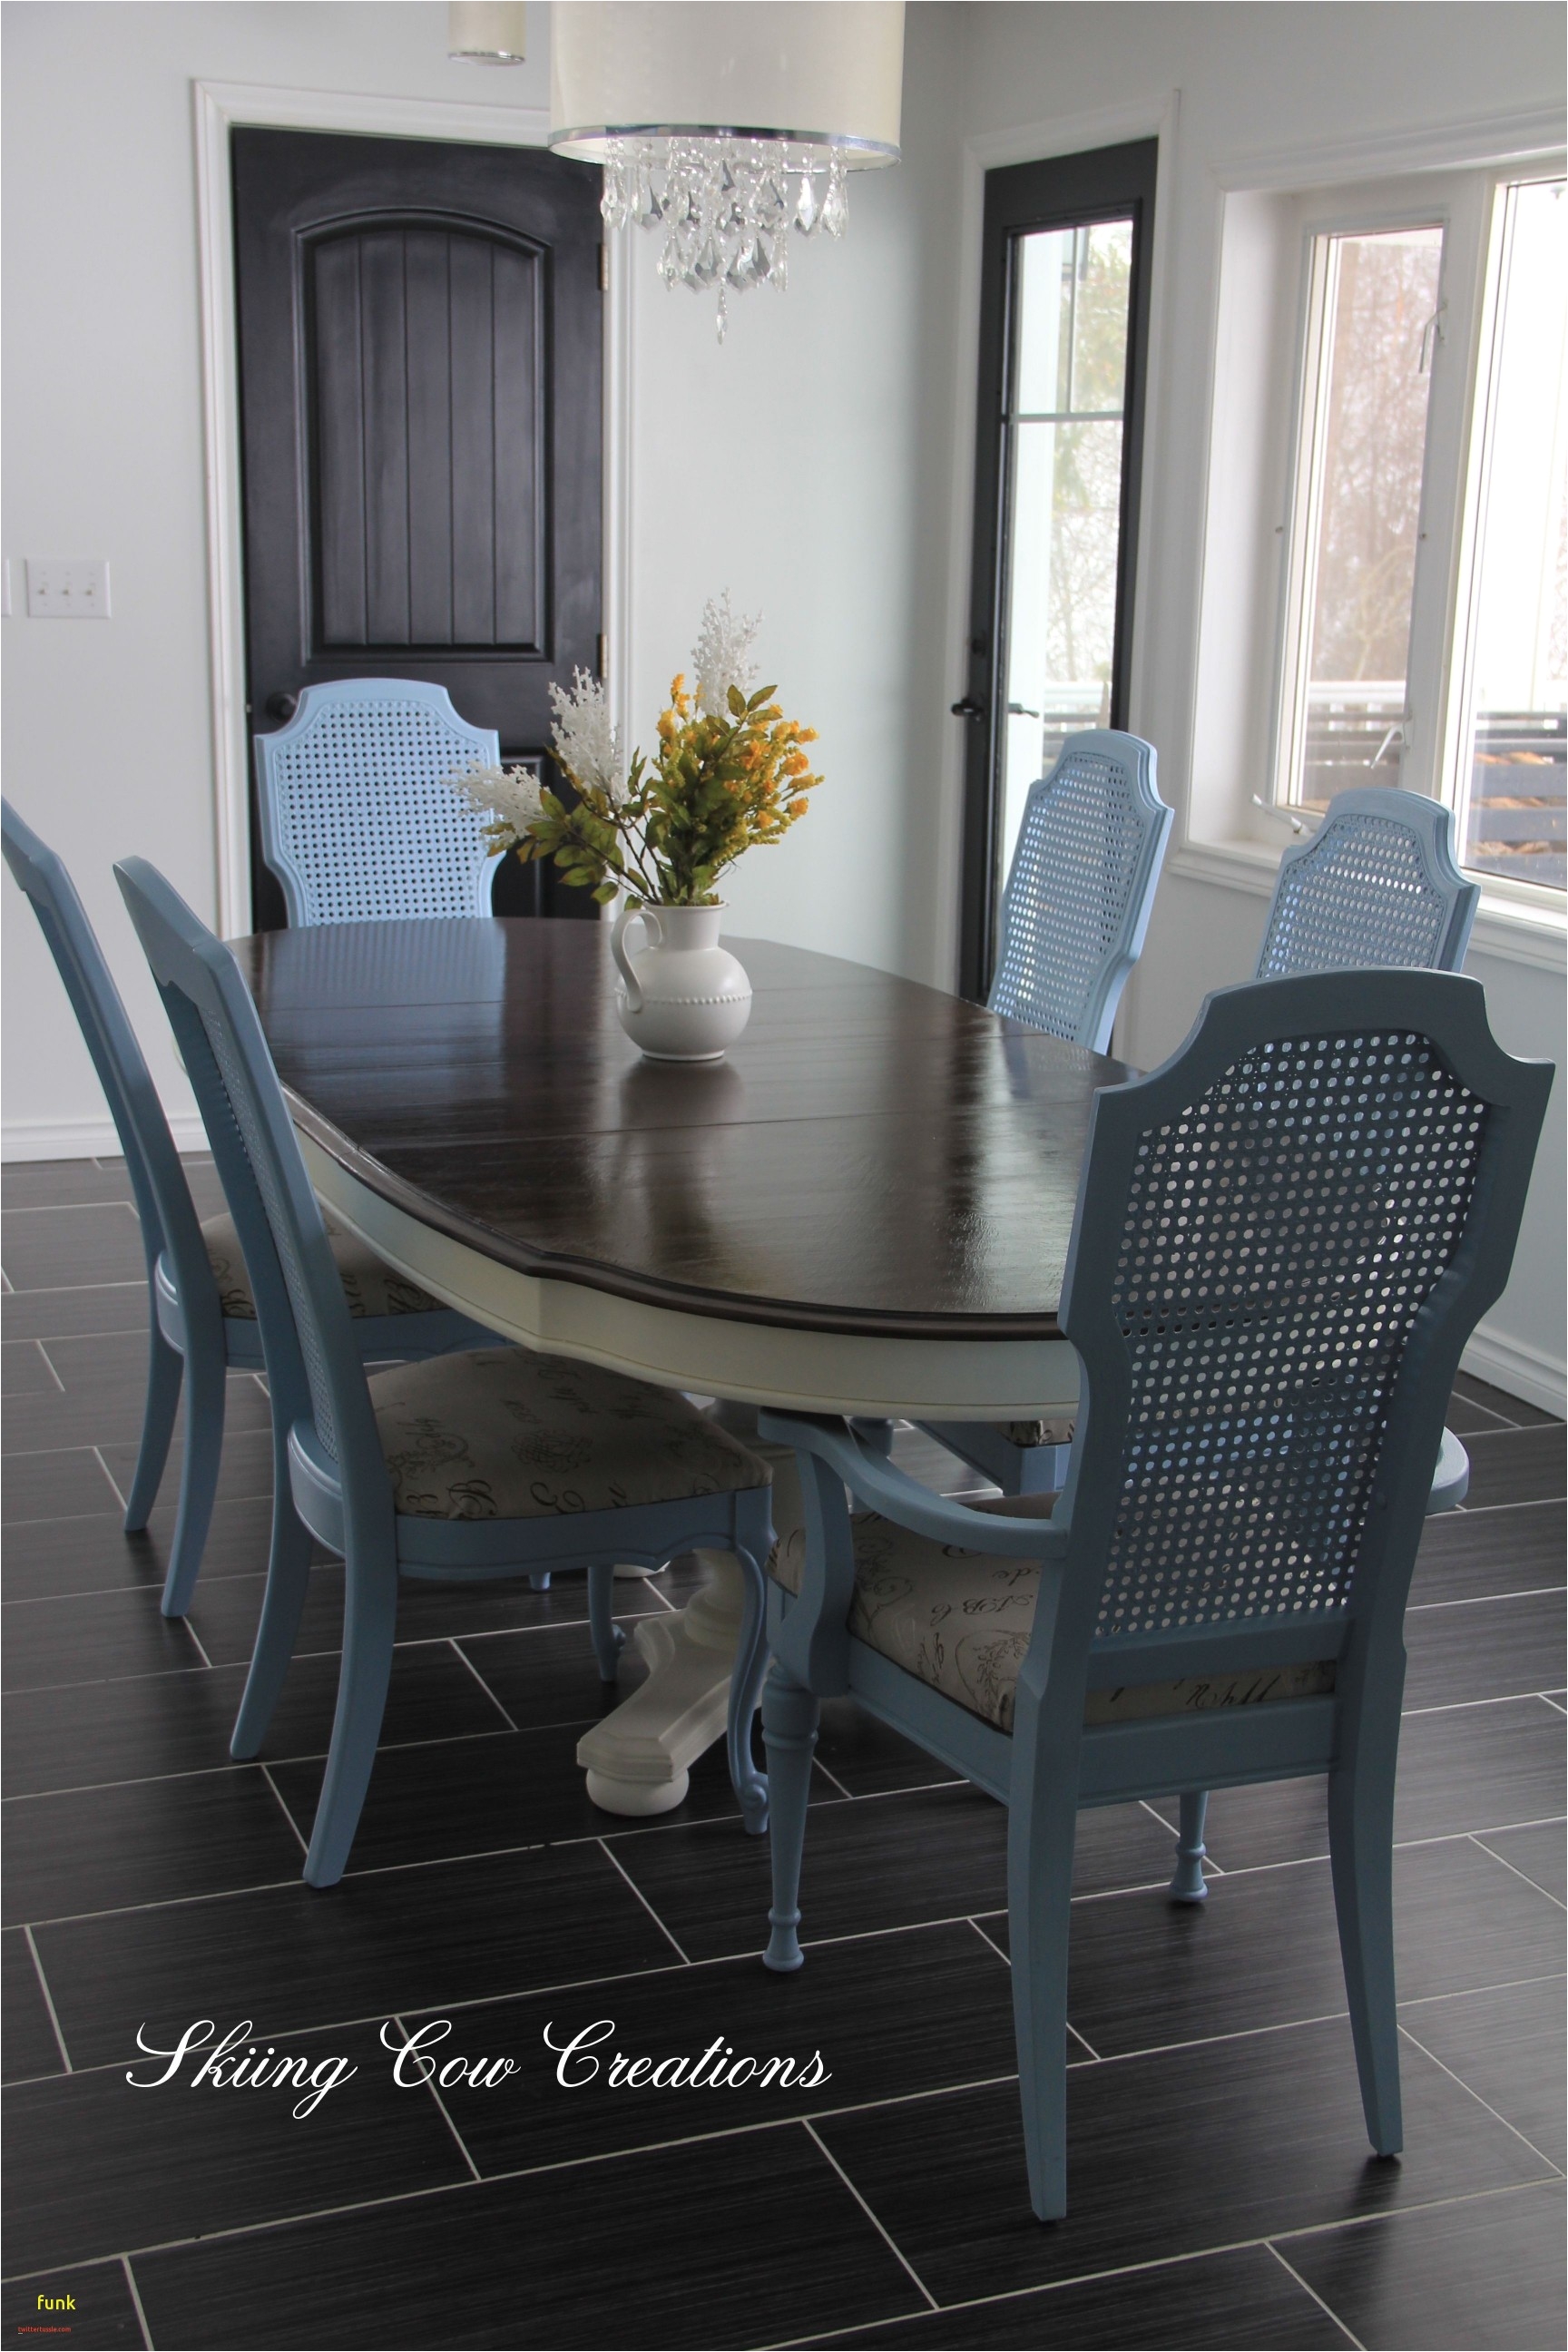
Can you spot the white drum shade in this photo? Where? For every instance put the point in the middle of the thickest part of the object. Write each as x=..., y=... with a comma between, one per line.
x=824, y=72
x=488, y=32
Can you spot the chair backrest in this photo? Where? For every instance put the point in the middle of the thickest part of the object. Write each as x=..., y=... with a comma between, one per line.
x=1076, y=903
x=1284, y=1238
x=158, y=1185
x=1376, y=884
x=313, y=1360
x=356, y=822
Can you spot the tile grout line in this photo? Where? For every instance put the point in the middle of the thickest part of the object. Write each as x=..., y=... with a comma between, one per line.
x=201, y=1646
x=1479, y=1599
x=103, y=1466
x=1555, y=1704
x=1269, y=2247
x=642, y=1898
x=430, y=2084
x=136, y=2302
x=1476, y=1839
x=266, y=1771
x=885, y=2235
x=48, y=2002
x=837, y=1783
x=49, y=1359
x=455, y=1644
x=1556, y=2169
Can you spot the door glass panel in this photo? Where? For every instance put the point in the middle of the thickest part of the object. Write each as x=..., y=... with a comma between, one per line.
x=1063, y=533
x=1513, y=743
x=1358, y=508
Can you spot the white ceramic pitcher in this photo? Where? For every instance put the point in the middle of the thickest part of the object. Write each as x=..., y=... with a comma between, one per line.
x=682, y=998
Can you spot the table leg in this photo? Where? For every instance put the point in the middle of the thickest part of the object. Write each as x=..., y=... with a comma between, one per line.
x=638, y=1760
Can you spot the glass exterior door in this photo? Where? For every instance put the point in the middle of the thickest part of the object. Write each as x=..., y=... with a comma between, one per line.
x=1064, y=327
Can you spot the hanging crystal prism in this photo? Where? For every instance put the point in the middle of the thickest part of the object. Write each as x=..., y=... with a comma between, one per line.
x=726, y=206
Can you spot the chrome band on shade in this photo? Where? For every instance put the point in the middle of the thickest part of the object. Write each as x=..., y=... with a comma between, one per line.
x=860, y=155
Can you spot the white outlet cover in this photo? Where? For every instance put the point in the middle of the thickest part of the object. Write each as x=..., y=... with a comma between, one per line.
x=68, y=588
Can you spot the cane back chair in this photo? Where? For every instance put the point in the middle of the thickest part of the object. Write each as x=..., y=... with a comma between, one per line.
x=477, y=1466
x=1376, y=884
x=1283, y=1239
x=202, y=1321
x=357, y=823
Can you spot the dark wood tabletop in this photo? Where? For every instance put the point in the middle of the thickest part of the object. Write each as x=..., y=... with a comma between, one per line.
x=874, y=1156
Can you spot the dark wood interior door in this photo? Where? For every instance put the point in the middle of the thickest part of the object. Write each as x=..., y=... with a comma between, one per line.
x=420, y=367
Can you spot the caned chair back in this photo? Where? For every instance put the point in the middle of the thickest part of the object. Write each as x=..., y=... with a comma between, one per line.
x=312, y=1358
x=1284, y=1238
x=1377, y=884
x=356, y=821
x=162, y=1197
x=1076, y=903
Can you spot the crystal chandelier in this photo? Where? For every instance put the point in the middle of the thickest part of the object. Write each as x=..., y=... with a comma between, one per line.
x=726, y=127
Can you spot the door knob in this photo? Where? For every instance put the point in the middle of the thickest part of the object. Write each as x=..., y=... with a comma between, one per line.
x=282, y=705
x=969, y=709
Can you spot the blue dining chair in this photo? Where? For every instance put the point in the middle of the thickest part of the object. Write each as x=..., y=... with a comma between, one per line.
x=1283, y=1239
x=1074, y=916
x=201, y=1319
x=491, y=1464
x=356, y=822
x=1378, y=883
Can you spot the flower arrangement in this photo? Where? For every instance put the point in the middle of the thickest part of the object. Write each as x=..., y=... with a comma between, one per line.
x=730, y=773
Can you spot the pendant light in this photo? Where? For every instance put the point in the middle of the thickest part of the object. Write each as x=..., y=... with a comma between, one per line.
x=728, y=124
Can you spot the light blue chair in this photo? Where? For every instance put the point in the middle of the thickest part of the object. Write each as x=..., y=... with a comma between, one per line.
x=1076, y=908
x=1074, y=916
x=1377, y=884
x=497, y=1462
x=202, y=1318
x=356, y=822
x=1283, y=1239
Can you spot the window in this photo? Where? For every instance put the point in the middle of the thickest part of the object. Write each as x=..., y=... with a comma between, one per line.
x=1424, y=638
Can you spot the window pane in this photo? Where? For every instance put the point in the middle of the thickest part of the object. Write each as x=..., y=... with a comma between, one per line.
x=1064, y=512
x=1512, y=741
x=1364, y=441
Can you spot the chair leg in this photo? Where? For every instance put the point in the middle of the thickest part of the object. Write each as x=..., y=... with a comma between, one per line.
x=370, y=1625
x=608, y=1638
x=282, y=1605
x=1188, y=1884
x=1041, y=1834
x=165, y=1368
x=207, y=1381
x=789, y=1734
x=745, y=1689
x=540, y=1582
x=1361, y=1851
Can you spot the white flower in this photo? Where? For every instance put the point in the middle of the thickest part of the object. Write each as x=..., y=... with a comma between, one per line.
x=722, y=655
x=510, y=796
x=585, y=742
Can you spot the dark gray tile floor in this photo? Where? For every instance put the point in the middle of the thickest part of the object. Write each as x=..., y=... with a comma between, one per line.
x=1223, y=2192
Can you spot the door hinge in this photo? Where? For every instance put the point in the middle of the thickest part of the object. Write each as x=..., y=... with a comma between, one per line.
x=604, y=654
x=604, y=269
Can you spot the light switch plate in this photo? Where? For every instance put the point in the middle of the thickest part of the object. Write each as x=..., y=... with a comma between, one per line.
x=68, y=588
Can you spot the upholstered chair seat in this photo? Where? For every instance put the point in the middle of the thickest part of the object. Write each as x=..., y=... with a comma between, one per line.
x=502, y=1434
x=961, y=1621
x=369, y=1286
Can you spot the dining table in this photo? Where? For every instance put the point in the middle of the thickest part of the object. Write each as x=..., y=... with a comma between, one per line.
x=863, y=1209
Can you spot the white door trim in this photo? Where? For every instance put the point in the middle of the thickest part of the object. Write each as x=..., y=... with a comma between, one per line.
x=217, y=106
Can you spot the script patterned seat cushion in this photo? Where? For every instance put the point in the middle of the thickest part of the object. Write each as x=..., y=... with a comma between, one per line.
x=961, y=1621
x=502, y=1434
x=370, y=1286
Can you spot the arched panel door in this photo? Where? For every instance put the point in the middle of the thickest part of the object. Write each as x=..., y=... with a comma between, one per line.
x=420, y=344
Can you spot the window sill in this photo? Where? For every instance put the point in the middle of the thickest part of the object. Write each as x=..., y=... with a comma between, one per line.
x=1504, y=929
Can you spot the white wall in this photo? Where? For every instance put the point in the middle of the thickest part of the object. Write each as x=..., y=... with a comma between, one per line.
x=818, y=465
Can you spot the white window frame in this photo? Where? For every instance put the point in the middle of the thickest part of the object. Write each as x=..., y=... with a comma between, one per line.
x=1469, y=206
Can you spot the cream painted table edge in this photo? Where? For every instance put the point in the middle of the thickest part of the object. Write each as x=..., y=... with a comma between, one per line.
x=639, y=1758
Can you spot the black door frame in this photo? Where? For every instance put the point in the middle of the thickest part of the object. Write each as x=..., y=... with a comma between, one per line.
x=1063, y=191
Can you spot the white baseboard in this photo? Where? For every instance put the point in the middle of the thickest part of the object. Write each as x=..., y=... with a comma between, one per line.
x=1518, y=1370
x=85, y=1139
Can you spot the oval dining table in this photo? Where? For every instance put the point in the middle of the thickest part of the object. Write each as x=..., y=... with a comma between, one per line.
x=864, y=1208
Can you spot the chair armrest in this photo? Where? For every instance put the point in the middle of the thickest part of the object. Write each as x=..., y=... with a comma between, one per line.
x=1451, y=1478
x=876, y=1483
